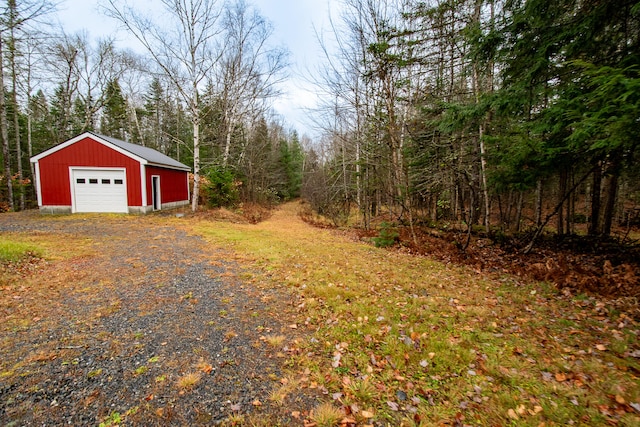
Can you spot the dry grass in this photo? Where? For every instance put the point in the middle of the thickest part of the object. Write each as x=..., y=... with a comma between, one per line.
x=288, y=385
x=188, y=381
x=275, y=340
x=437, y=342
x=326, y=415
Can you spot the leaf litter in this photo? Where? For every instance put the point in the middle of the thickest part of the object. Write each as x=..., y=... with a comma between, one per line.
x=390, y=337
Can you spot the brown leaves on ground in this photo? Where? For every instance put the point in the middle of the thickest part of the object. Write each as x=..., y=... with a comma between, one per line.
x=580, y=263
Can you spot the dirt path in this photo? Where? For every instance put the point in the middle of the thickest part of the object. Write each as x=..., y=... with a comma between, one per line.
x=150, y=325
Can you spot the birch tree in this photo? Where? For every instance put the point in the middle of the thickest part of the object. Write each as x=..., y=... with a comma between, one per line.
x=184, y=47
x=249, y=69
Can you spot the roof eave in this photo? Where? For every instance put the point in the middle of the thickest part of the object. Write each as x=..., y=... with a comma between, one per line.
x=160, y=165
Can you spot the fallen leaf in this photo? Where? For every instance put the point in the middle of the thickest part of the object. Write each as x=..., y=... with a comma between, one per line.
x=348, y=422
x=336, y=359
x=512, y=414
x=601, y=347
x=367, y=414
x=256, y=403
x=296, y=414
x=392, y=405
x=536, y=410
x=560, y=377
x=620, y=399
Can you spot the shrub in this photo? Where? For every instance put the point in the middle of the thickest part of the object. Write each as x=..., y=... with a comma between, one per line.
x=220, y=188
x=388, y=236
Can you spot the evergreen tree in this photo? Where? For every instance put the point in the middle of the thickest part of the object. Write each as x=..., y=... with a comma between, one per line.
x=114, y=113
x=565, y=116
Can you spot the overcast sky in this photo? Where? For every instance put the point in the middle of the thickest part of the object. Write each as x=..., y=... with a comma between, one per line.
x=295, y=23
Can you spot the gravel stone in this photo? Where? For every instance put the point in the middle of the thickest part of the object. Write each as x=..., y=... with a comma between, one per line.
x=178, y=306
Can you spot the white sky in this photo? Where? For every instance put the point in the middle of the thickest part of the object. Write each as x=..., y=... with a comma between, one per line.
x=295, y=23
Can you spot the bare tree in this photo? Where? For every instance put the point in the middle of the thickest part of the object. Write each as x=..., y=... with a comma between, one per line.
x=249, y=69
x=184, y=48
x=83, y=71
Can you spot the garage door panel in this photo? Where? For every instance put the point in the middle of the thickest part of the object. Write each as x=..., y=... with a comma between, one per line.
x=100, y=191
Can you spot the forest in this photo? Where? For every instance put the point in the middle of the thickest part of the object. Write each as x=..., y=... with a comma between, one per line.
x=495, y=116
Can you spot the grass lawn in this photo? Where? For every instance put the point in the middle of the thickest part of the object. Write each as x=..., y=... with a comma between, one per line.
x=394, y=339
x=12, y=249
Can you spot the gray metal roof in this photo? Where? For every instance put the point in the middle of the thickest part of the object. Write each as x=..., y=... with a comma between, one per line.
x=149, y=154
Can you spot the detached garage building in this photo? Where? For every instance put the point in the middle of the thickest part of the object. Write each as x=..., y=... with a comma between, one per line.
x=96, y=173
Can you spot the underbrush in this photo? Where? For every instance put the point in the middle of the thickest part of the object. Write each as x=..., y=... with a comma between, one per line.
x=244, y=213
x=605, y=266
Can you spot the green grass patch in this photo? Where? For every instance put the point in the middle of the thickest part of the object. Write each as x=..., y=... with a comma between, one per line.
x=13, y=249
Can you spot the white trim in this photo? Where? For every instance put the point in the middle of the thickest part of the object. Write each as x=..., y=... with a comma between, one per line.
x=163, y=166
x=36, y=170
x=91, y=136
x=72, y=169
x=158, y=195
x=143, y=184
x=188, y=188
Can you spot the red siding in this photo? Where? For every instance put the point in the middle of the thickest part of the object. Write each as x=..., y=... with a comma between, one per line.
x=54, y=171
x=173, y=184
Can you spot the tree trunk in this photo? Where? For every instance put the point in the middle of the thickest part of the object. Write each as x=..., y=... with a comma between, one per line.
x=562, y=189
x=196, y=148
x=539, y=202
x=611, y=190
x=30, y=139
x=558, y=207
x=227, y=143
x=594, y=226
x=4, y=132
x=519, y=210
x=570, y=206
x=14, y=99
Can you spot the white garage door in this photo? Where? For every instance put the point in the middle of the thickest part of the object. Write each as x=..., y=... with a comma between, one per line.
x=98, y=190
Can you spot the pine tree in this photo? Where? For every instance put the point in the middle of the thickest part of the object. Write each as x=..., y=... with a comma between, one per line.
x=114, y=112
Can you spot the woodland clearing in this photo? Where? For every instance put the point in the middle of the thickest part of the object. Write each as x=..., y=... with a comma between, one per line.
x=211, y=319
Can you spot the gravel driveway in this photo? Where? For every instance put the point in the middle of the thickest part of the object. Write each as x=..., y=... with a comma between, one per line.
x=156, y=328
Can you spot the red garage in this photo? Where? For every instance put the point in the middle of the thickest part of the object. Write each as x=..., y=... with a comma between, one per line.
x=96, y=173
